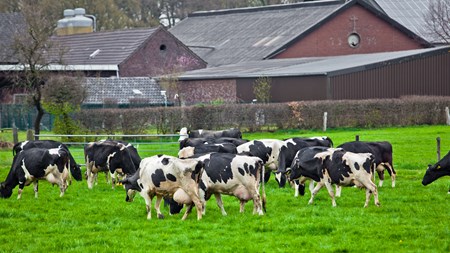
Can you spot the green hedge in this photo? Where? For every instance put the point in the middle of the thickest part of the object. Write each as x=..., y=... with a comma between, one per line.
x=405, y=111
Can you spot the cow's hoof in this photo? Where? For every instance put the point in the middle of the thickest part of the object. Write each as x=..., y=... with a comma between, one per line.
x=160, y=216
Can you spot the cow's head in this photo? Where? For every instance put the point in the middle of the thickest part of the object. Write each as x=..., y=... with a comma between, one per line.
x=441, y=168
x=186, y=152
x=75, y=170
x=184, y=133
x=5, y=190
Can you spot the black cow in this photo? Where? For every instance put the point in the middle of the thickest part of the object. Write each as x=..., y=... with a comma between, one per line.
x=207, y=148
x=329, y=166
x=31, y=165
x=289, y=150
x=439, y=169
x=115, y=157
x=383, y=156
x=75, y=169
x=232, y=132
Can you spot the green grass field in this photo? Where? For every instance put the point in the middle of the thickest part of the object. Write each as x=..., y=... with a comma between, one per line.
x=412, y=217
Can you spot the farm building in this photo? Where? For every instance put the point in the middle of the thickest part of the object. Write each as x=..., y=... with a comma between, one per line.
x=362, y=76
x=143, y=52
x=314, y=51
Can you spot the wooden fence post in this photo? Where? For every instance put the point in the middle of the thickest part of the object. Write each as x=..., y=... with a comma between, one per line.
x=30, y=135
x=15, y=135
x=438, y=148
x=447, y=115
x=357, y=137
x=325, y=119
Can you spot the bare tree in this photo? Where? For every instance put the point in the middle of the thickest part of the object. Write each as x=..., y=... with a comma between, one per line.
x=33, y=51
x=438, y=19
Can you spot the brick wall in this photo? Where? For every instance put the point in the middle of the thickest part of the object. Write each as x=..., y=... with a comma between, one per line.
x=161, y=54
x=207, y=91
x=331, y=37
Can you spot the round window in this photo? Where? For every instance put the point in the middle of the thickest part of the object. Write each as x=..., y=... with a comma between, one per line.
x=354, y=40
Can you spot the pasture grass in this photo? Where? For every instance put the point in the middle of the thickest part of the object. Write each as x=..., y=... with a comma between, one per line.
x=412, y=218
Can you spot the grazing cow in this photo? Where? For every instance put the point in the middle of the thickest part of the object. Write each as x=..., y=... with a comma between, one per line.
x=267, y=150
x=168, y=176
x=383, y=156
x=115, y=157
x=289, y=150
x=75, y=169
x=31, y=165
x=439, y=169
x=194, y=142
x=232, y=132
x=335, y=166
x=235, y=175
x=207, y=148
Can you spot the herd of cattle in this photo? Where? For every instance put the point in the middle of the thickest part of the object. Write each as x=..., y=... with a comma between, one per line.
x=213, y=163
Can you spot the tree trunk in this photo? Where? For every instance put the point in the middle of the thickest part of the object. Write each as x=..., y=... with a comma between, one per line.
x=37, y=121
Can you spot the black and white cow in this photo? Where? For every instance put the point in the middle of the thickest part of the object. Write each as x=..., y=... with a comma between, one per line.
x=382, y=151
x=194, y=142
x=113, y=157
x=31, y=165
x=329, y=166
x=232, y=132
x=75, y=169
x=439, y=169
x=235, y=175
x=168, y=176
x=290, y=148
x=267, y=150
x=207, y=148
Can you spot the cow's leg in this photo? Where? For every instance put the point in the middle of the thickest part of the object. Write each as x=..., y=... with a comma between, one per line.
x=380, y=172
x=220, y=203
x=188, y=211
x=19, y=192
x=113, y=179
x=157, y=207
x=91, y=176
x=199, y=205
x=314, y=192
x=148, y=203
x=331, y=193
x=36, y=186
x=257, y=204
x=391, y=172
x=338, y=190
x=371, y=188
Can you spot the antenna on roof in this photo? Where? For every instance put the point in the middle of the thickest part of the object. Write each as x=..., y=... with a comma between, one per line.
x=95, y=53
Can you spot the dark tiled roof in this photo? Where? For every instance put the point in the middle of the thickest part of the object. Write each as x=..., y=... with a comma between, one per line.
x=9, y=23
x=409, y=13
x=114, y=46
x=142, y=90
x=236, y=35
x=310, y=66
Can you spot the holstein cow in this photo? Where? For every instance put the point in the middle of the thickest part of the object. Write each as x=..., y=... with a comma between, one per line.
x=288, y=151
x=329, y=166
x=207, y=148
x=168, y=176
x=383, y=156
x=235, y=175
x=439, y=169
x=186, y=133
x=267, y=150
x=114, y=157
x=75, y=169
x=35, y=164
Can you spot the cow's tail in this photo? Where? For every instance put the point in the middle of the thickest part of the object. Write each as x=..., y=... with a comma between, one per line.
x=263, y=195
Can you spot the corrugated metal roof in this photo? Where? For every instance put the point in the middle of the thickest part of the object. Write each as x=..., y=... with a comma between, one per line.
x=411, y=14
x=123, y=90
x=307, y=66
x=102, y=47
x=230, y=36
